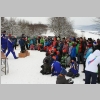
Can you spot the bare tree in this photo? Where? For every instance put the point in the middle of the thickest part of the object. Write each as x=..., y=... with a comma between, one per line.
x=61, y=26
x=22, y=27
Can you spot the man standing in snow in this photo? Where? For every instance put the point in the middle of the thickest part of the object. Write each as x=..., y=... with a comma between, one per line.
x=10, y=48
x=92, y=67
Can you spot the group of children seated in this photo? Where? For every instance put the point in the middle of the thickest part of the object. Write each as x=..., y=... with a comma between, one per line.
x=53, y=64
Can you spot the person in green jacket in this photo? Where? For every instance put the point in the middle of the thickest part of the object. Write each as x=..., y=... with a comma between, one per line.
x=63, y=60
x=42, y=41
x=77, y=47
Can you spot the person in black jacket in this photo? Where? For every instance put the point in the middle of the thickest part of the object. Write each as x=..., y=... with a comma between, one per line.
x=46, y=67
x=61, y=78
x=22, y=44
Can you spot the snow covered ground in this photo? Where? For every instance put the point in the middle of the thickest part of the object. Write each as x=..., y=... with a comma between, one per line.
x=27, y=70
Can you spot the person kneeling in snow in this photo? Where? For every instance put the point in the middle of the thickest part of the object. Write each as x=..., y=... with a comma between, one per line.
x=46, y=67
x=56, y=67
x=61, y=78
x=74, y=68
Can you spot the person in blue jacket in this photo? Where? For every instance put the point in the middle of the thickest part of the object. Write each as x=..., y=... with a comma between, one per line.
x=56, y=67
x=73, y=51
x=4, y=42
x=31, y=42
x=10, y=48
x=74, y=68
x=34, y=41
x=46, y=43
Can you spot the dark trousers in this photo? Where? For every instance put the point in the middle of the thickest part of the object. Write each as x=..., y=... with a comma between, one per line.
x=84, y=65
x=90, y=77
x=14, y=47
x=27, y=46
x=4, y=48
x=80, y=57
x=12, y=51
x=22, y=49
x=99, y=73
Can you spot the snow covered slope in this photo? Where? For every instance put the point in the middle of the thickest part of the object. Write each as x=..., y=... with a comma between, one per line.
x=87, y=34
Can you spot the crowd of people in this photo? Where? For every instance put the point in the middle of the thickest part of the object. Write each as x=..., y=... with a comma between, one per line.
x=71, y=52
x=61, y=53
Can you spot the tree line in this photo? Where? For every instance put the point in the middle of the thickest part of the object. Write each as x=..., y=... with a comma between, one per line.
x=22, y=27
x=60, y=26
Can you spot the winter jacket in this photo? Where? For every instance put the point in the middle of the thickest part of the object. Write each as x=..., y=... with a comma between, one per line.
x=70, y=49
x=61, y=46
x=4, y=41
x=46, y=43
x=31, y=42
x=46, y=68
x=34, y=41
x=61, y=80
x=22, y=42
x=73, y=52
x=56, y=67
x=77, y=48
x=82, y=47
x=65, y=47
x=92, y=61
x=63, y=60
x=74, y=68
x=48, y=58
x=14, y=40
x=89, y=51
x=42, y=41
x=10, y=44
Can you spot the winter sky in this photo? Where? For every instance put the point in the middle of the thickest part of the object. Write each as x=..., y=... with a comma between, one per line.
x=76, y=20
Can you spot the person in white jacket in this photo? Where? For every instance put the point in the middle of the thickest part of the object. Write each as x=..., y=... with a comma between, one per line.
x=91, y=69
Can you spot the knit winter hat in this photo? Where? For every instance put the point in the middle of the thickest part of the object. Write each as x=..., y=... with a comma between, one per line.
x=63, y=71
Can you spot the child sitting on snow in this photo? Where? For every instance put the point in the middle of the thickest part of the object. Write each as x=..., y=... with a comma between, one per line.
x=61, y=78
x=46, y=67
x=74, y=69
x=55, y=67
